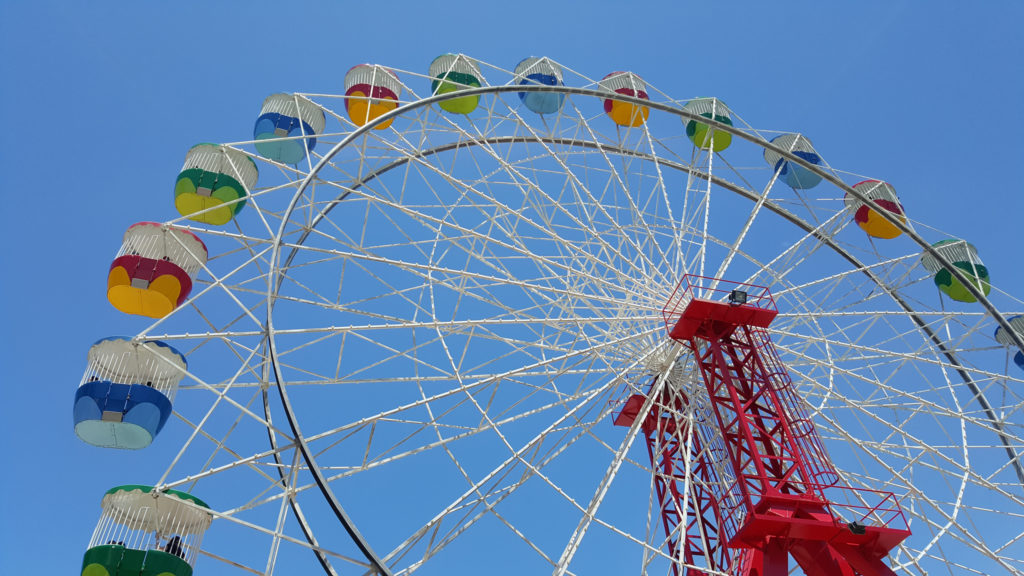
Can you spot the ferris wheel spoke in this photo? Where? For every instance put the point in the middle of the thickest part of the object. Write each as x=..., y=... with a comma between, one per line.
x=705, y=219
x=255, y=198
x=466, y=522
x=198, y=428
x=618, y=185
x=221, y=444
x=531, y=470
x=476, y=493
x=887, y=402
x=501, y=494
x=847, y=275
x=222, y=395
x=282, y=515
x=836, y=338
x=589, y=514
x=436, y=423
x=528, y=370
x=548, y=232
x=499, y=420
x=225, y=330
x=923, y=356
x=463, y=327
x=961, y=534
x=219, y=282
x=792, y=258
x=883, y=447
x=529, y=286
x=636, y=233
x=468, y=232
x=234, y=519
x=741, y=236
x=239, y=461
x=948, y=464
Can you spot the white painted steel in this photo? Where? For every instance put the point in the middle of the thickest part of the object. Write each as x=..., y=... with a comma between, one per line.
x=450, y=311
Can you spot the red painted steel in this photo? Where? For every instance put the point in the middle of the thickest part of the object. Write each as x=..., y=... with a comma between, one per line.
x=666, y=445
x=777, y=495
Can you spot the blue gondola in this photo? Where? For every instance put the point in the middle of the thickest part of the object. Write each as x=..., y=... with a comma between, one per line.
x=125, y=397
x=543, y=72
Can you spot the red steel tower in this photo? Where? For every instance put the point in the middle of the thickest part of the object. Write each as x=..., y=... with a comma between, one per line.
x=761, y=487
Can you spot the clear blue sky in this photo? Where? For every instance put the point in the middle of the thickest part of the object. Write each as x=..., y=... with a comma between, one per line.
x=100, y=100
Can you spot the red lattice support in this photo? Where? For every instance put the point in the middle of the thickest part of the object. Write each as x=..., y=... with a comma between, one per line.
x=781, y=499
x=666, y=436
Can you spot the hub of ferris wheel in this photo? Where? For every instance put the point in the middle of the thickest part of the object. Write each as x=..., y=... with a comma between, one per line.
x=743, y=480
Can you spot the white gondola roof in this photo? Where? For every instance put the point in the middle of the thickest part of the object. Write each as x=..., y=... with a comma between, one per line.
x=123, y=360
x=534, y=65
x=873, y=190
x=618, y=80
x=954, y=250
x=374, y=75
x=155, y=240
x=142, y=508
x=790, y=143
x=454, y=63
x=296, y=107
x=707, y=106
x=223, y=160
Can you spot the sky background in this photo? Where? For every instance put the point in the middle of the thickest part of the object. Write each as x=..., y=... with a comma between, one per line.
x=101, y=100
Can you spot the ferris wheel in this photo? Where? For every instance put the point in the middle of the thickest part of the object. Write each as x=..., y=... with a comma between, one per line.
x=467, y=318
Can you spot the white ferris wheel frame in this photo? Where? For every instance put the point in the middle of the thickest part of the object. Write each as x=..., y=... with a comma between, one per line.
x=278, y=258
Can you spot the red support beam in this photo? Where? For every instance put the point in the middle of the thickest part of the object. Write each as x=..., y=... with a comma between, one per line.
x=780, y=474
x=666, y=445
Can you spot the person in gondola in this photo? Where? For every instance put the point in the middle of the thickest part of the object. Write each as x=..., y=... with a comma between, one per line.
x=173, y=546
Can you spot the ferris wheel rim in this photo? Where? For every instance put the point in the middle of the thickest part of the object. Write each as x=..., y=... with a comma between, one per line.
x=274, y=285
